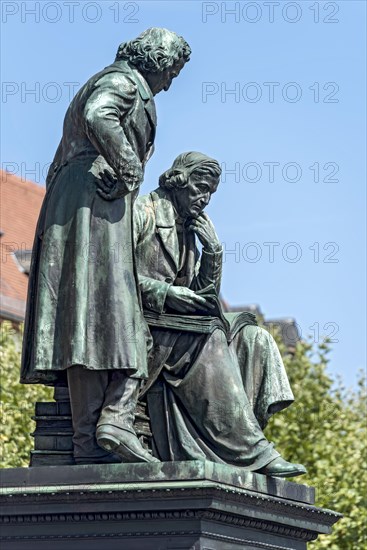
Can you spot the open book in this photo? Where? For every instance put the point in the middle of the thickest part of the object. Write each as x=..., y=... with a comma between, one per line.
x=205, y=320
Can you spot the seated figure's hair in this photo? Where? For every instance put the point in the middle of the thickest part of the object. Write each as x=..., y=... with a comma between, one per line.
x=154, y=50
x=186, y=165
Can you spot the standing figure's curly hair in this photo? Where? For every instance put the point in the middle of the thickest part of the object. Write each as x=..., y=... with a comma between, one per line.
x=154, y=50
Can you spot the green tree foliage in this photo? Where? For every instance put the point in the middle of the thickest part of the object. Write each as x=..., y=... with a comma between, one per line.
x=16, y=402
x=325, y=430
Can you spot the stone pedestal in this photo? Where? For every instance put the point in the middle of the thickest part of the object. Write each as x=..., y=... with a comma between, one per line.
x=168, y=506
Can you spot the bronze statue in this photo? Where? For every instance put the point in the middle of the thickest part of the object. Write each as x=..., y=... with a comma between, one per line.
x=84, y=322
x=214, y=379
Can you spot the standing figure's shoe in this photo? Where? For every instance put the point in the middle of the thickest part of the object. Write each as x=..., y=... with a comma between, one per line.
x=123, y=443
x=281, y=468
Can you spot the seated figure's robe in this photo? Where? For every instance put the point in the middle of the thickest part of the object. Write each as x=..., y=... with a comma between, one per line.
x=208, y=398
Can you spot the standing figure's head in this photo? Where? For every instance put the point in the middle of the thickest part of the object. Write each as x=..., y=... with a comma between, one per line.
x=158, y=54
x=191, y=181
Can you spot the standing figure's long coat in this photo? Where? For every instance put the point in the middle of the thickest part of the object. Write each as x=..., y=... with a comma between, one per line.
x=83, y=302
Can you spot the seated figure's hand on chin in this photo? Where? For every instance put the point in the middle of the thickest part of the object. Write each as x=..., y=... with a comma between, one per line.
x=204, y=228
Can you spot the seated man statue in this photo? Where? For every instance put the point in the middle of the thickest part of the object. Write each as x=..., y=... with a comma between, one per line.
x=210, y=390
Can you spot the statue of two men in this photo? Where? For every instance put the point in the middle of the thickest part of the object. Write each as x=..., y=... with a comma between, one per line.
x=97, y=316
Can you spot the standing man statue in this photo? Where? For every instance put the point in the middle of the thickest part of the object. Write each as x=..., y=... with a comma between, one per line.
x=84, y=322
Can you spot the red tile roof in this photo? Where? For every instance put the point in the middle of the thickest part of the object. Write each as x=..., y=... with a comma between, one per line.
x=20, y=205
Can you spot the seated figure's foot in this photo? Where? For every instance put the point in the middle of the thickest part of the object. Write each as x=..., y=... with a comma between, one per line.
x=281, y=468
x=123, y=443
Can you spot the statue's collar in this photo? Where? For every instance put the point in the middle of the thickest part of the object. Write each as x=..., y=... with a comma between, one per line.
x=145, y=91
x=143, y=87
x=165, y=213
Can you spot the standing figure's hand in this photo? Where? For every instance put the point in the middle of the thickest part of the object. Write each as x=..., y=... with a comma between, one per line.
x=107, y=186
x=204, y=229
x=111, y=188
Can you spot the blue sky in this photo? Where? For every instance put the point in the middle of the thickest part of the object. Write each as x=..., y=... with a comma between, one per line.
x=275, y=91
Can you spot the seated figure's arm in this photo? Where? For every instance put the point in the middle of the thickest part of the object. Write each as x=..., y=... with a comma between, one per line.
x=209, y=268
x=157, y=294
x=153, y=291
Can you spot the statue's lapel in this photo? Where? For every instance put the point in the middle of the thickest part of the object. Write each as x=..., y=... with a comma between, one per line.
x=166, y=226
x=169, y=240
x=144, y=91
x=147, y=97
x=190, y=257
x=149, y=107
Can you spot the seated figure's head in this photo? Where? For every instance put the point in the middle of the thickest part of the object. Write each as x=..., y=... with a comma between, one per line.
x=158, y=54
x=191, y=181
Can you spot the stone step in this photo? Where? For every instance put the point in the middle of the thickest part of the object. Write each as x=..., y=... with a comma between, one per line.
x=53, y=422
x=51, y=458
x=53, y=441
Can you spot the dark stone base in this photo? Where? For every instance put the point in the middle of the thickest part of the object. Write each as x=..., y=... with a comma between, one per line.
x=168, y=506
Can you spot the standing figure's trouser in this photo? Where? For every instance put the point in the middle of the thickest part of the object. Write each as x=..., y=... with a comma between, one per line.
x=99, y=397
